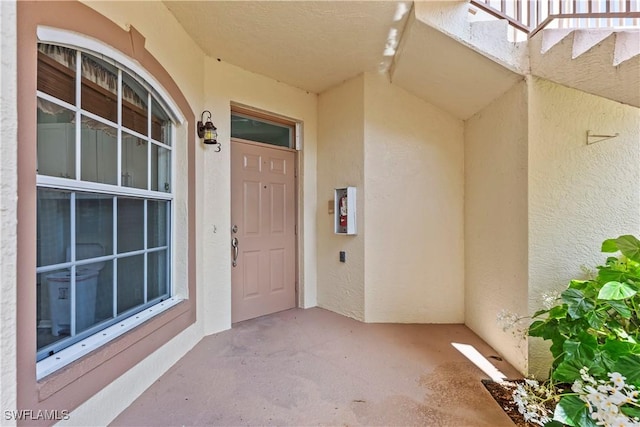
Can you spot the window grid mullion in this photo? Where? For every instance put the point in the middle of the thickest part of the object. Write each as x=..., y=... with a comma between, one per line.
x=54, y=100
x=78, y=127
x=96, y=187
x=119, y=180
x=146, y=254
x=106, y=258
x=171, y=214
x=115, y=261
x=97, y=118
x=72, y=256
x=169, y=253
x=119, y=131
x=162, y=145
x=148, y=142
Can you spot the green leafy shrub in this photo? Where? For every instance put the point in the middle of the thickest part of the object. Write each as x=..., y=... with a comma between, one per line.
x=594, y=331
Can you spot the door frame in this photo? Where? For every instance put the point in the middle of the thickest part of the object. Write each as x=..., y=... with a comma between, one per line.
x=297, y=208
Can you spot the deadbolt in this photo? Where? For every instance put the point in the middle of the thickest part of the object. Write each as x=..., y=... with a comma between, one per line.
x=234, y=229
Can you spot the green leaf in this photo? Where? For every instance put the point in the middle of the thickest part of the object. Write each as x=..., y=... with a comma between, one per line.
x=572, y=411
x=558, y=312
x=614, y=261
x=629, y=246
x=539, y=313
x=630, y=411
x=596, y=319
x=553, y=423
x=577, y=304
x=622, y=308
x=619, y=331
x=603, y=360
x=539, y=328
x=633, y=269
x=629, y=366
x=569, y=370
x=570, y=327
x=616, y=348
x=556, y=348
x=580, y=285
x=607, y=274
x=609, y=245
x=581, y=349
x=616, y=291
x=548, y=330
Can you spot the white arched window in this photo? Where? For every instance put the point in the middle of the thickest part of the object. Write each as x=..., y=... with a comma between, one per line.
x=105, y=178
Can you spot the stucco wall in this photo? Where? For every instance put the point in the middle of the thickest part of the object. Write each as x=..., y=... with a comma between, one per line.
x=341, y=164
x=414, y=179
x=208, y=84
x=495, y=212
x=165, y=38
x=579, y=194
x=225, y=83
x=8, y=207
x=184, y=61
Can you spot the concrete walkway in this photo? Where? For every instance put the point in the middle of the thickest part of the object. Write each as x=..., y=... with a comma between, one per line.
x=315, y=367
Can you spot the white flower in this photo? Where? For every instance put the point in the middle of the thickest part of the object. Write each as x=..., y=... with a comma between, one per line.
x=550, y=299
x=632, y=395
x=584, y=373
x=531, y=383
x=507, y=319
x=617, y=379
x=617, y=398
x=605, y=388
x=608, y=406
x=604, y=398
x=530, y=397
x=620, y=421
x=591, y=391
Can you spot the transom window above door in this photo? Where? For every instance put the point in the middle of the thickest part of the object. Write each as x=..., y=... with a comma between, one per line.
x=257, y=127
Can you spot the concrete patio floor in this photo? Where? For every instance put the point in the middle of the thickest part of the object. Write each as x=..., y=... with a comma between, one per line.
x=314, y=367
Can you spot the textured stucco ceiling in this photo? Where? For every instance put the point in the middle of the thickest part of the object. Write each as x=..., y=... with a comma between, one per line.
x=312, y=45
x=315, y=45
x=447, y=73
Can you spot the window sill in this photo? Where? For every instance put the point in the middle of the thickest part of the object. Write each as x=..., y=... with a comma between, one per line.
x=76, y=351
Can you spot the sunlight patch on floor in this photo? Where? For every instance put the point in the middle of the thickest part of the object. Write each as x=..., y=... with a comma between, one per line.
x=480, y=361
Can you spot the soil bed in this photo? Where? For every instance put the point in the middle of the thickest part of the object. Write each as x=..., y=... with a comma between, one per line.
x=502, y=392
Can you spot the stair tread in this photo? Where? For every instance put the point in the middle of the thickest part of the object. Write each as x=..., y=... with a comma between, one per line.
x=551, y=37
x=627, y=46
x=585, y=40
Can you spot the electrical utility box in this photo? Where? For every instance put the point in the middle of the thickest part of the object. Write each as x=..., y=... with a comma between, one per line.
x=345, y=211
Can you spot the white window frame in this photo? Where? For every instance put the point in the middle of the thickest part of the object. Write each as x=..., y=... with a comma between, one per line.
x=100, y=50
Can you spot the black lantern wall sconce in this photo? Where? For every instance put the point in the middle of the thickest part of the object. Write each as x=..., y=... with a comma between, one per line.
x=207, y=131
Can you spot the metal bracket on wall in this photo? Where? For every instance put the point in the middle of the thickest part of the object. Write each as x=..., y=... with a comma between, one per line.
x=592, y=138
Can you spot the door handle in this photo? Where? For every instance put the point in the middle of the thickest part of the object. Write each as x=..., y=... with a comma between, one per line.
x=234, y=244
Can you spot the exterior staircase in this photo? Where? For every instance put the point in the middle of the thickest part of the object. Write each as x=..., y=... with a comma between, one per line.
x=453, y=64
x=602, y=62
x=461, y=65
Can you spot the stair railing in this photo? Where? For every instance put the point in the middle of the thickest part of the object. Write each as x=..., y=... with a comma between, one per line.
x=531, y=16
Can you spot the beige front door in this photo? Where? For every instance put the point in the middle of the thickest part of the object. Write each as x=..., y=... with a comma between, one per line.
x=263, y=273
